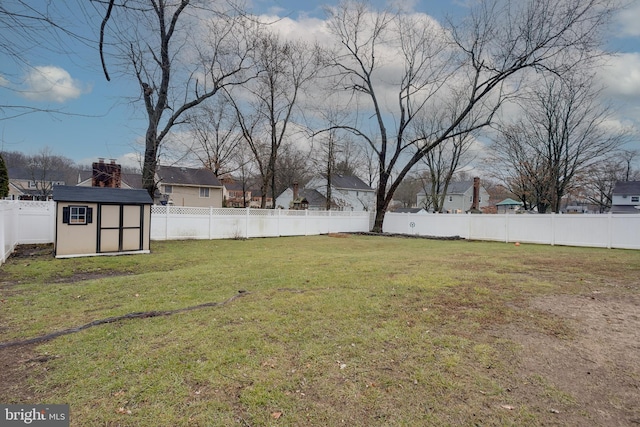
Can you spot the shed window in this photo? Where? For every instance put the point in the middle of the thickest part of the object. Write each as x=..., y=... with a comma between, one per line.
x=451, y=198
x=635, y=199
x=204, y=192
x=168, y=189
x=77, y=215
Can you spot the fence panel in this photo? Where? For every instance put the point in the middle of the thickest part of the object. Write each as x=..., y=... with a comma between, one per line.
x=169, y=222
x=34, y=222
x=8, y=231
x=597, y=230
x=624, y=231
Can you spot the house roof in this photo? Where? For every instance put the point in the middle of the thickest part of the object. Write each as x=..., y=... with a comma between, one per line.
x=28, y=174
x=314, y=197
x=626, y=187
x=348, y=182
x=459, y=187
x=235, y=186
x=409, y=210
x=187, y=176
x=66, y=193
x=509, y=202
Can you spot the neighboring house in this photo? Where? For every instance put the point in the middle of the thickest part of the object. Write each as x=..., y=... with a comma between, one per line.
x=626, y=197
x=460, y=197
x=348, y=193
x=181, y=186
x=235, y=194
x=25, y=184
x=109, y=175
x=508, y=206
x=256, y=199
x=302, y=199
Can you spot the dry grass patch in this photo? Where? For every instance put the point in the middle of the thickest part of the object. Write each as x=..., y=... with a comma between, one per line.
x=359, y=331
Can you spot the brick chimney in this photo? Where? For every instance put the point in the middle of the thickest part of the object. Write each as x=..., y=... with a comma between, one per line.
x=295, y=190
x=475, y=204
x=106, y=175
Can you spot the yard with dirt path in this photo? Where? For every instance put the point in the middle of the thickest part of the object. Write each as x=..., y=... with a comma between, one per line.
x=568, y=356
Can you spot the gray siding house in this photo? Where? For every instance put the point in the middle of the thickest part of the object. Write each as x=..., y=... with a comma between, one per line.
x=626, y=197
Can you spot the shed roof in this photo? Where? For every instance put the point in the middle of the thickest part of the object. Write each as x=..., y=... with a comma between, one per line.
x=66, y=193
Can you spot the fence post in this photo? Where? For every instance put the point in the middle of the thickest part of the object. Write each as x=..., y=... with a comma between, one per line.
x=246, y=223
x=506, y=228
x=279, y=212
x=210, y=222
x=610, y=229
x=166, y=222
x=553, y=228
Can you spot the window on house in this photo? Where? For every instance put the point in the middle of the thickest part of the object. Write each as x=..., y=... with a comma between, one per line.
x=635, y=199
x=451, y=198
x=168, y=189
x=204, y=192
x=32, y=184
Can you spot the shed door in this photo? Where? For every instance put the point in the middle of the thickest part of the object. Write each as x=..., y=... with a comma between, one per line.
x=120, y=228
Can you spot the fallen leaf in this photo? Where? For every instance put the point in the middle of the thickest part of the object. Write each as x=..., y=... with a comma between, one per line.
x=276, y=415
x=509, y=407
x=123, y=411
x=118, y=393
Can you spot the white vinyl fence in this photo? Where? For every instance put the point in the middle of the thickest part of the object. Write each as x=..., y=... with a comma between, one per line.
x=620, y=231
x=24, y=222
x=174, y=222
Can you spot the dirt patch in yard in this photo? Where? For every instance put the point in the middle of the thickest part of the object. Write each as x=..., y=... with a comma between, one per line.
x=569, y=359
x=589, y=375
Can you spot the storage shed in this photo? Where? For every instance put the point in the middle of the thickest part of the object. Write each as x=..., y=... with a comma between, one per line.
x=101, y=221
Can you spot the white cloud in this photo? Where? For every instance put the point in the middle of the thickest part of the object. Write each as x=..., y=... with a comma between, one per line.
x=621, y=75
x=3, y=81
x=628, y=18
x=51, y=83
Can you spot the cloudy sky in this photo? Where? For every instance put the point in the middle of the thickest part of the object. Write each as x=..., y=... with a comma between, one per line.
x=92, y=118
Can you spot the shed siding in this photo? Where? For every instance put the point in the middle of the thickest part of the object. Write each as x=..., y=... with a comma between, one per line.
x=75, y=239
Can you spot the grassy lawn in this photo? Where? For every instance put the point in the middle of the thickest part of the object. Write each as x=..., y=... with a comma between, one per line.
x=329, y=331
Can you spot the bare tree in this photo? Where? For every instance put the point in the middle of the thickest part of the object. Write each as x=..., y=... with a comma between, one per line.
x=265, y=108
x=599, y=180
x=443, y=161
x=181, y=53
x=561, y=133
x=216, y=136
x=44, y=170
x=4, y=178
x=480, y=58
